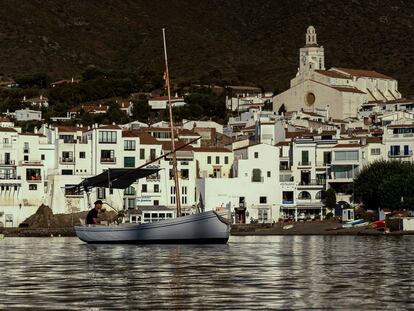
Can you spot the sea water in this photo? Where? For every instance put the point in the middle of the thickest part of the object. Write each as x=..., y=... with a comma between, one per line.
x=271, y=272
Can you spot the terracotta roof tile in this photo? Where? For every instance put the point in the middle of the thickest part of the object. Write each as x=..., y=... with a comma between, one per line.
x=211, y=149
x=348, y=89
x=333, y=74
x=363, y=73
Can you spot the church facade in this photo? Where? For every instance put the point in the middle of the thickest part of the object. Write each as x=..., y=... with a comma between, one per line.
x=337, y=92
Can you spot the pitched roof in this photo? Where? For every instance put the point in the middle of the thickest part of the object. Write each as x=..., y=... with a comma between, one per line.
x=282, y=143
x=333, y=74
x=348, y=89
x=362, y=73
x=374, y=139
x=7, y=129
x=144, y=138
x=347, y=146
x=109, y=127
x=70, y=129
x=211, y=149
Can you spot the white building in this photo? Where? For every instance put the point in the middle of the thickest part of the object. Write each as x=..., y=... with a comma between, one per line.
x=253, y=194
x=157, y=103
x=340, y=91
x=28, y=115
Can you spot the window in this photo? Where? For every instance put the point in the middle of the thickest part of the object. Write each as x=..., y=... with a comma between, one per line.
x=287, y=197
x=304, y=195
x=209, y=160
x=320, y=195
x=269, y=174
x=129, y=161
x=26, y=147
x=42, y=157
x=67, y=172
x=129, y=191
x=107, y=137
x=217, y=160
x=156, y=188
x=101, y=193
x=33, y=174
x=327, y=156
x=305, y=157
x=142, y=154
x=156, y=202
x=256, y=155
x=184, y=190
x=346, y=155
x=256, y=175
x=263, y=200
x=144, y=188
x=130, y=203
x=129, y=145
x=172, y=200
x=263, y=215
x=32, y=187
x=184, y=174
x=67, y=156
x=82, y=155
x=26, y=158
x=172, y=190
x=183, y=200
x=226, y=160
x=107, y=156
x=152, y=154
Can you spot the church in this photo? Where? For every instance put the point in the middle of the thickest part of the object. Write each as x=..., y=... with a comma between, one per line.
x=337, y=92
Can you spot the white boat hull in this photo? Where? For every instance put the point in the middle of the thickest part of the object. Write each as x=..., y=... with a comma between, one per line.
x=203, y=228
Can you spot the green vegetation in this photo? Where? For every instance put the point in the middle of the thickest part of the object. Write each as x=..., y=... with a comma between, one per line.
x=330, y=198
x=386, y=185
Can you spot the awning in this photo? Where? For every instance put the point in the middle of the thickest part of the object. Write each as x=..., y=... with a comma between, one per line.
x=118, y=178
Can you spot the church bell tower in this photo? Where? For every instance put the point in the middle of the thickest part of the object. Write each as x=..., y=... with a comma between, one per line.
x=311, y=56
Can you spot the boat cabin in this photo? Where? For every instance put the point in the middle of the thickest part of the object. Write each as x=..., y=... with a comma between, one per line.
x=145, y=214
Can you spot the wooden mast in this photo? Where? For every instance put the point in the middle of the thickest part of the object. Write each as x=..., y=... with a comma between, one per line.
x=176, y=181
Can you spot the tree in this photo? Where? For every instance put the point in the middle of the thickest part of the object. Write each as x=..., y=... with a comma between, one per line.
x=330, y=198
x=141, y=111
x=381, y=184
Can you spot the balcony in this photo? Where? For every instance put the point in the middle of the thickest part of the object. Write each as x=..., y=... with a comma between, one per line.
x=322, y=165
x=7, y=162
x=304, y=164
x=108, y=160
x=314, y=183
x=151, y=178
x=66, y=161
x=36, y=179
x=7, y=146
x=12, y=176
x=400, y=154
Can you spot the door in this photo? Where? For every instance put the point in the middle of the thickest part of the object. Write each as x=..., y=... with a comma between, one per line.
x=305, y=157
x=7, y=158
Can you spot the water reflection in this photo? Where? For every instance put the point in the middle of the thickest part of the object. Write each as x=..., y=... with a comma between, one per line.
x=290, y=272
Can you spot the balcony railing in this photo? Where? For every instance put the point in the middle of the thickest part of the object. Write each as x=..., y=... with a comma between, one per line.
x=400, y=154
x=7, y=146
x=108, y=160
x=33, y=178
x=322, y=164
x=308, y=163
x=153, y=178
x=67, y=161
x=9, y=176
x=313, y=182
x=7, y=162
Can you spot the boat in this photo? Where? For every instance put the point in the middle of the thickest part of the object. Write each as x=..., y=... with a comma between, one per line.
x=204, y=227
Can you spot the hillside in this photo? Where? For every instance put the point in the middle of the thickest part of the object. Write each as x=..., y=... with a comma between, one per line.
x=236, y=41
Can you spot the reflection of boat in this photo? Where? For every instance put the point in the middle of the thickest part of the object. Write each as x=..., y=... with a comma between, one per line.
x=204, y=227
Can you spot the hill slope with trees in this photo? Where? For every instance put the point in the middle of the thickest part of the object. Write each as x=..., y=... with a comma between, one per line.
x=208, y=41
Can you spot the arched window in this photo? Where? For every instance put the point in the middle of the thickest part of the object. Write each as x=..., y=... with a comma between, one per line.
x=320, y=195
x=256, y=175
x=130, y=191
x=304, y=195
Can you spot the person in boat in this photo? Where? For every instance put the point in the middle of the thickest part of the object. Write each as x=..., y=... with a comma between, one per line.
x=92, y=217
